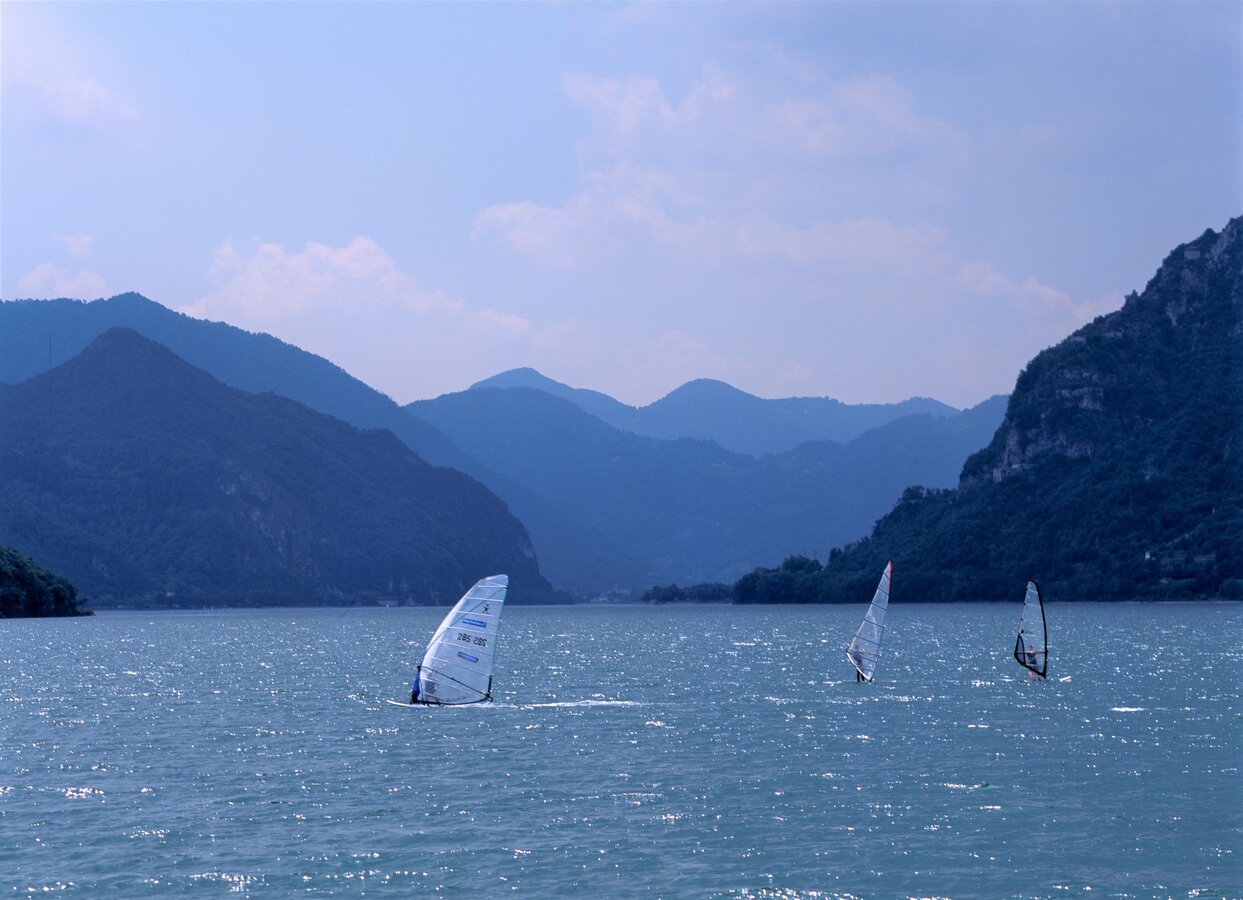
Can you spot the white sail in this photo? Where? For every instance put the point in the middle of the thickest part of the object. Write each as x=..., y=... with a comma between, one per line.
x=864, y=649
x=457, y=667
x=1031, y=647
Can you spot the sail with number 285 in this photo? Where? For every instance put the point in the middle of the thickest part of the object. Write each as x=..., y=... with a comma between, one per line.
x=457, y=667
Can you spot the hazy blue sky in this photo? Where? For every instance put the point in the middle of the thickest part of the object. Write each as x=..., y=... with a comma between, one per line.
x=865, y=201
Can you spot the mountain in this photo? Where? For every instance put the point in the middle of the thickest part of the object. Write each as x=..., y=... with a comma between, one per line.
x=715, y=411
x=148, y=482
x=37, y=334
x=572, y=537
x=602, y=406
x=686, y=509
x=29, y=590
x=1117, y=473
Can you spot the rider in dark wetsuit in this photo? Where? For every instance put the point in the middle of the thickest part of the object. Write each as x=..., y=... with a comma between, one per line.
x=857, y=658
x=414, y=690
x=1033, y=661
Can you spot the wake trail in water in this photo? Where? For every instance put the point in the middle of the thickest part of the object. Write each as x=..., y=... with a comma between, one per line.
x=573, y=703
x=558, y=704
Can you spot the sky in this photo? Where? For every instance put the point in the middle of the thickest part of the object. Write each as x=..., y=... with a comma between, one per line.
x=866, y=201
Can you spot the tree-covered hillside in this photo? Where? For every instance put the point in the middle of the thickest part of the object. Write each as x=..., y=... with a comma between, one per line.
x=27, y=589
x=1116, y=475
x=36, y=335
x=147, y=482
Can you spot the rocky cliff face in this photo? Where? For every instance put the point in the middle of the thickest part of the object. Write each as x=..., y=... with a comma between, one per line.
x=1117, y=473
x=1123, y=374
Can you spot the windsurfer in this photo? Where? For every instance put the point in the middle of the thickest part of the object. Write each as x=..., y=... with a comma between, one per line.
x=856, y=657
x=414, y=689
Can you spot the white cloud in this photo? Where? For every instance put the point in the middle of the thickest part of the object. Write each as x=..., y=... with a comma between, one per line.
x=46, y=280
x=553, y=236
x=867, y=117
x=853, y=243
x=620, y=110
x=78, y=244
x=739, y=222
x=80, y=102
x=698, y=178
x=353, y=305
x=627, y=209
x=877, y=116
x=57, y=79
x=981, y=278
x=1045, y=307
x=620, y=208
x=673, y=357
x=892, y=287
x=274, y=286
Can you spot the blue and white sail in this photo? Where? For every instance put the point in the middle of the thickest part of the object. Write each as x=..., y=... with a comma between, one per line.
x=457, y=667
x=864, y=649
x=1031, y=647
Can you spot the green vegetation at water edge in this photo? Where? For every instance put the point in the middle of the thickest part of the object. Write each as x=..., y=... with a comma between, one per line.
x=29, y=590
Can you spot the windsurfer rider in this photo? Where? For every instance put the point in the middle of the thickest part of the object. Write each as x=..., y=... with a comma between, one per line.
x=856, y=657
x=1031, y=658
x=1031, y=654
x=414, y=690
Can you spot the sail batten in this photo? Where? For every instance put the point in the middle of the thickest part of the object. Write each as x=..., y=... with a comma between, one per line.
x=864, y=649
x=1031, y=646
x=457, y=667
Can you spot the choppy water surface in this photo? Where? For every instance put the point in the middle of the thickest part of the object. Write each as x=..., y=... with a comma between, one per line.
x=685, y=751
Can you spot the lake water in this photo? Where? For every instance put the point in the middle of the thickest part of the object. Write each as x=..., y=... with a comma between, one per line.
x=676, y=752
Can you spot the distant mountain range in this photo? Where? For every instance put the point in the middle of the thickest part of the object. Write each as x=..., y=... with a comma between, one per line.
x=1117, y=473
x=688, y=509
x=642, y=495
x=735, y=420
x=145, y=481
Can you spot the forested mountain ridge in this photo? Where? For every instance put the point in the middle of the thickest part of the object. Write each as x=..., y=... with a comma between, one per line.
x=1117, y=473
x=36, y=335
x=148, y=482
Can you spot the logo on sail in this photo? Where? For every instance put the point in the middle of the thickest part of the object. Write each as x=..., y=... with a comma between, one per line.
x=468, y=657
x=478, y=623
